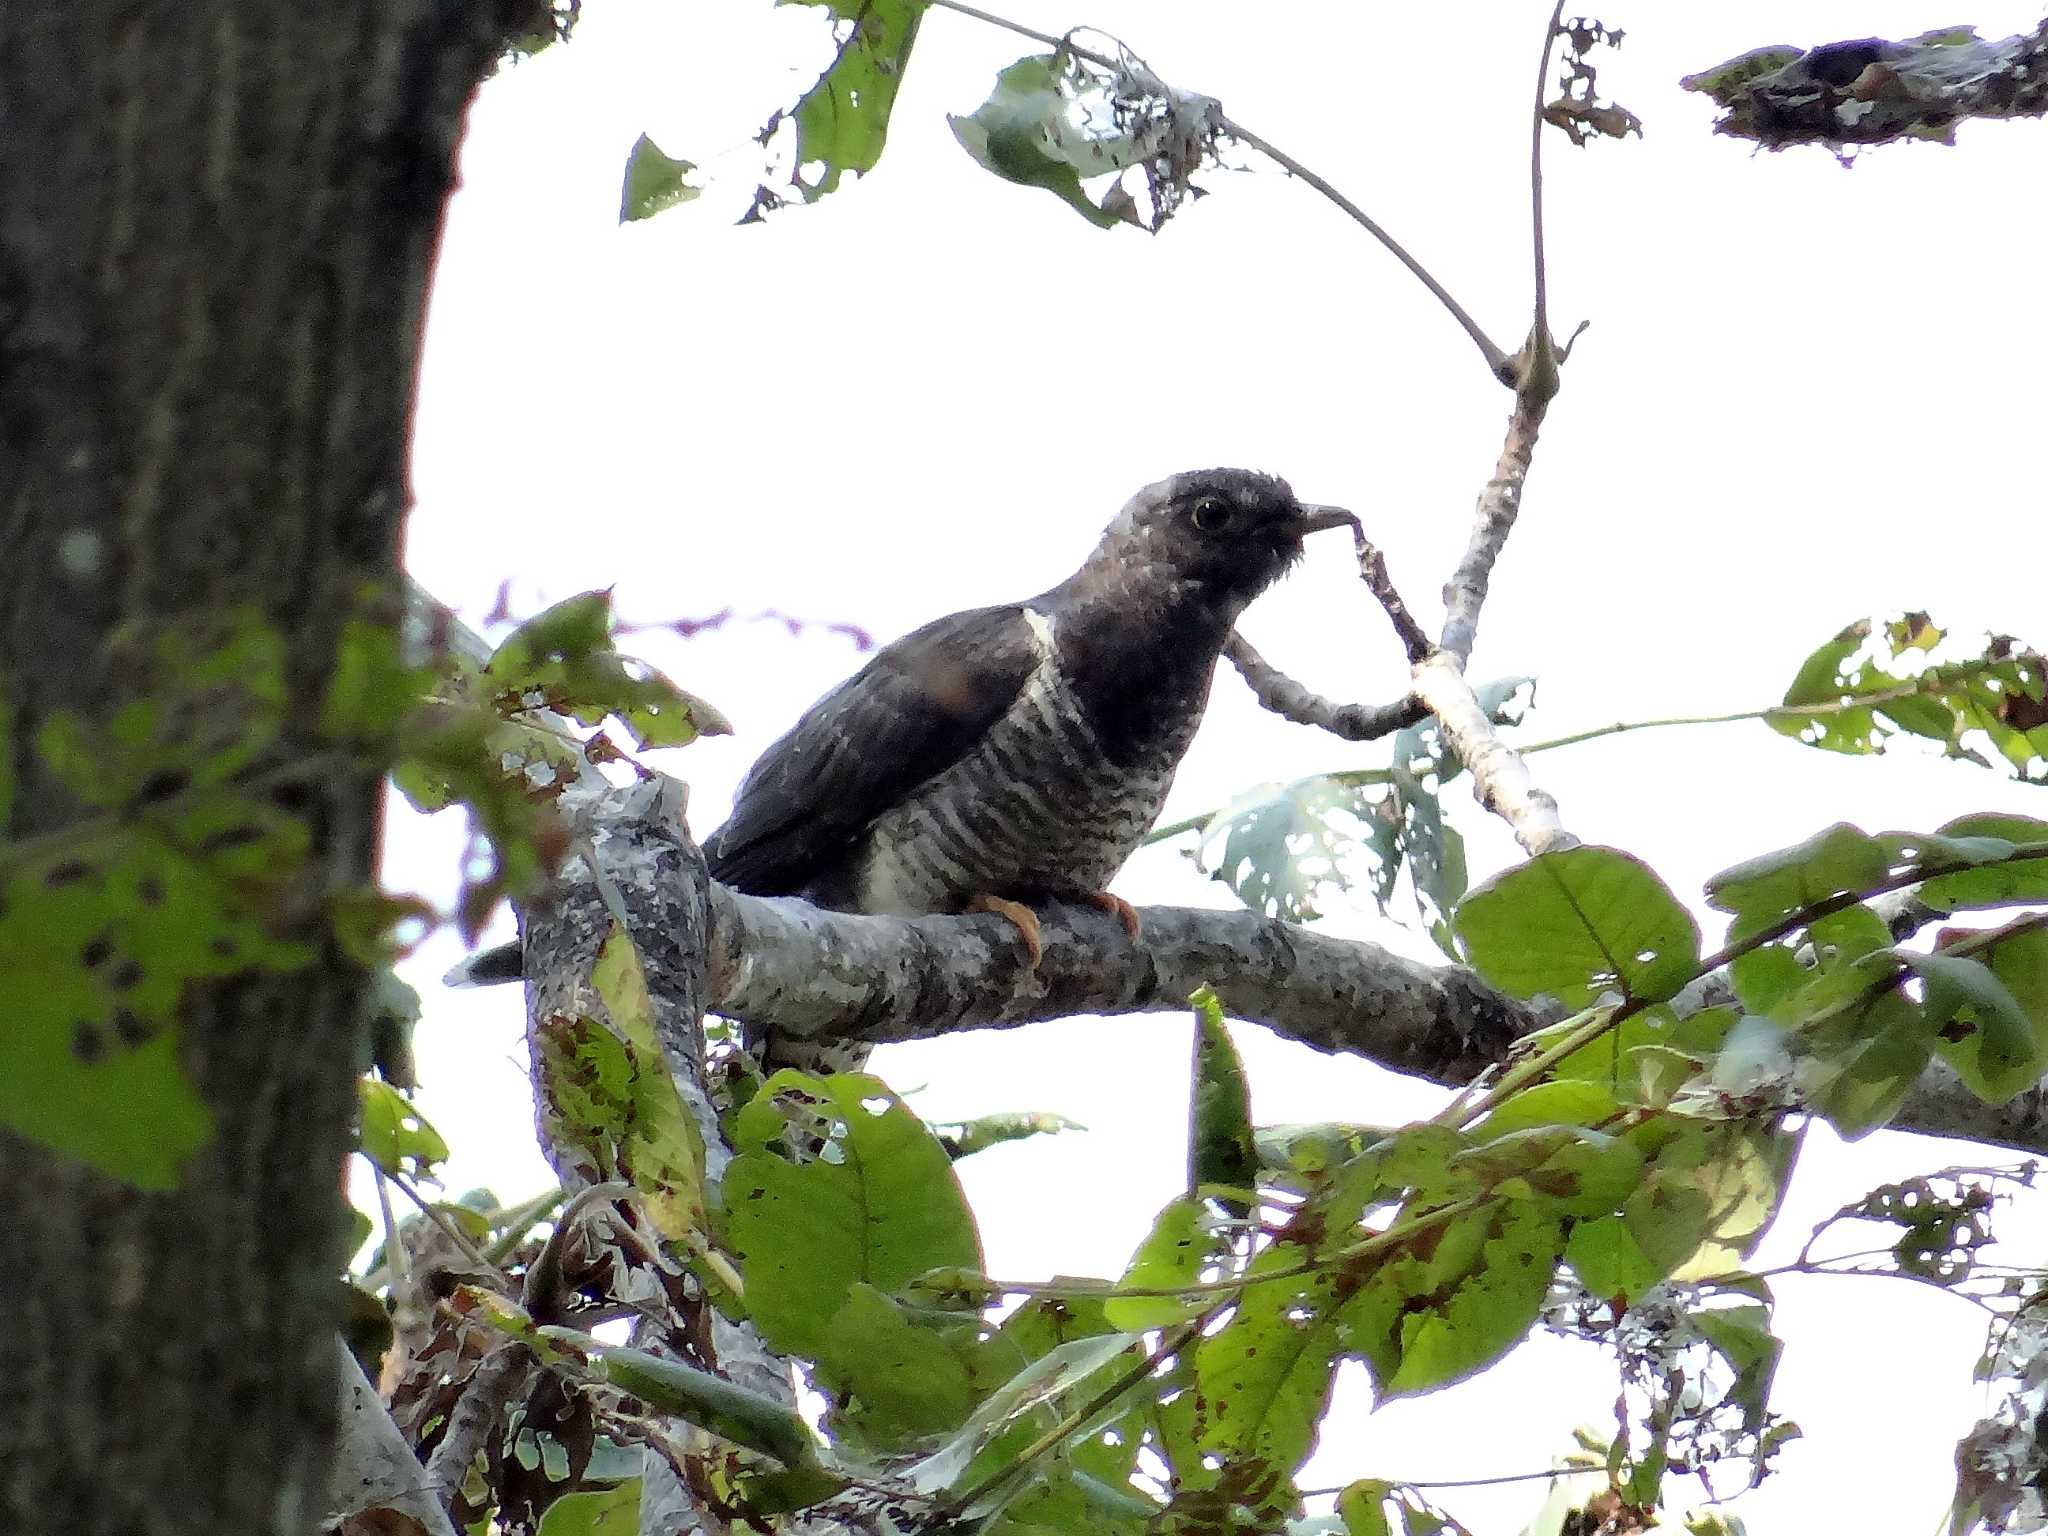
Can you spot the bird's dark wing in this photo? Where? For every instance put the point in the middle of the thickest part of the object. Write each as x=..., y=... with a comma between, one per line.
x=912, y=712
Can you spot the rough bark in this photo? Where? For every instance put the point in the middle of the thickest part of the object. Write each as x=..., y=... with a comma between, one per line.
x=216, y=223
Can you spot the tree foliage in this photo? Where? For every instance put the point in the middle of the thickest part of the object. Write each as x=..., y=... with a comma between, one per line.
x=1610, y=1180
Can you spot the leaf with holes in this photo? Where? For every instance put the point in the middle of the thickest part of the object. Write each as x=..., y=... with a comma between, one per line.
x=1996, y=1043
x=1455, y=1298
x=1873, y=681
x=1221, y=1153
x=1280, y=844
x=394, y=1135
x=1013, y=134
x=1189, y=1243
x=1577, y=924
x=837, y=1184
x=1263, y=1380
x=842, y=122
x=562, y=660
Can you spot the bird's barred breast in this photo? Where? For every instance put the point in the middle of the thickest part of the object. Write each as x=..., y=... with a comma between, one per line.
x=1035, y=809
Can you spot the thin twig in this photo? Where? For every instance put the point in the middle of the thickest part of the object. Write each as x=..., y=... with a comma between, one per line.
x=449, y=1230
x=1498, y=362
x=1372, y=569
x=1276, y=691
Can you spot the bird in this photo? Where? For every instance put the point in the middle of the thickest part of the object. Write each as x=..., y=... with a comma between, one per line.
x=1017, y=754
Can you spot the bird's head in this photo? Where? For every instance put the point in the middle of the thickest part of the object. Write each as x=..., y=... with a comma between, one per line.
x=1229, y=532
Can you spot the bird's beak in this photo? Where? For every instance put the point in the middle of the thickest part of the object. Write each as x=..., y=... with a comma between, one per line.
x=1313, y=518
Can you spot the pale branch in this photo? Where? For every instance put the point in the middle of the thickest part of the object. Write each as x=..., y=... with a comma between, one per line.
x=374, y=1468
x=1501, y=781
x=1502, y=366
x=1493, y=519
x=1285, y=697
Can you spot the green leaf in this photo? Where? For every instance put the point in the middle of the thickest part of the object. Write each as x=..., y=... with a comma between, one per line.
x=1013, y=133
x=561, y=659
x=611, y=1511
x=1188, y=1244
x=654, y=182
x=1567, y=1168
x=907, y=1381
x=842, y=122
x=1994, y=884
x=1609, y=1261
x=1742, y=1336
x=1708, y=1195
x=584, y=1086
x=837, y=1184
x=726, y=1408
x=1572, y=1101
x=1362, y=1507
x=1833, y=862
x=1221, y=1151
x=394, y=1135
x=1577, y=924
x=663, y=1150
x=1985, y=1032
x=1263, y=1380
x=964, y=1138
x=1055, y=1378
x=1869, y=683
x=1456, y=1298
x=1860, y=1086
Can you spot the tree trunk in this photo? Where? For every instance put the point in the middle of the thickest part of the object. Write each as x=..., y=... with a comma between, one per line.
x=216, y=223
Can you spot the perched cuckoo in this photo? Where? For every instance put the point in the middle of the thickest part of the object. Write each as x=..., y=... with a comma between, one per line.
x=1013, y=754
x=1007, y=755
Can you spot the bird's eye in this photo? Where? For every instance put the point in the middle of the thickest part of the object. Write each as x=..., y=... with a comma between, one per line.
x=1211, y=515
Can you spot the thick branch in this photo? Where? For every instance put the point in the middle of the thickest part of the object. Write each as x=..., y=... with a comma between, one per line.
x=814, y=974
x=809, y=973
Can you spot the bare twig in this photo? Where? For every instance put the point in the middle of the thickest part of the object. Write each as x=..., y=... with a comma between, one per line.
x=1276, y=691
x=1536, y=120
x=1498, y=362
x=1372, y=569
x=428, y=1209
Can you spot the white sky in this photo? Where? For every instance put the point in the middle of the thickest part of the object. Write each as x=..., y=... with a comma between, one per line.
x=1808, y=394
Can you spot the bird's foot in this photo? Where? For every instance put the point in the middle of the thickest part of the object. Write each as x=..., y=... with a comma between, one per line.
x=1117, y=908
x=1023, y=917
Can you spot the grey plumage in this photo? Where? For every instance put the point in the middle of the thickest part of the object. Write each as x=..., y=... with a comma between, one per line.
x=1018, y=751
